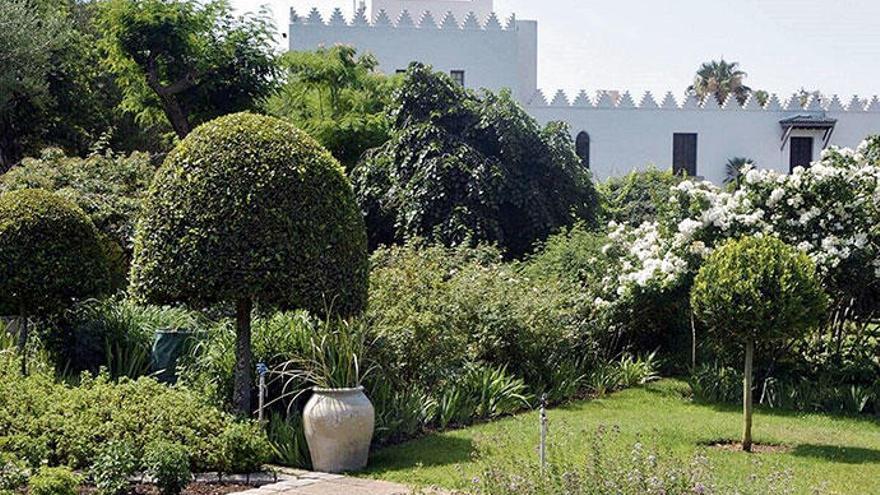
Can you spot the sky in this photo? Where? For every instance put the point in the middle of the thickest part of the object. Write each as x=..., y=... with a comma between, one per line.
x=638, y=45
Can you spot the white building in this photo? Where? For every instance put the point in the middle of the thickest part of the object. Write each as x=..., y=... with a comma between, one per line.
x=614, y=132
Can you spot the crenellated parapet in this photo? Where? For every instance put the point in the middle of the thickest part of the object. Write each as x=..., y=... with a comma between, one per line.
x=406, y=20
x=624, y=100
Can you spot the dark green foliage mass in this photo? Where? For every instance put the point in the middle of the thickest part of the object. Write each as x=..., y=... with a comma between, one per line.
x=50, y=254
x=251, y=206
x=464, y=168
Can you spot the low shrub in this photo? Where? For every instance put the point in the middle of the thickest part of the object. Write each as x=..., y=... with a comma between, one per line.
x=74, y=422
x=54, y=481
x=244, y=448
x=13, y=472
x=115, y=462
x=638, y=196
x=167, y=463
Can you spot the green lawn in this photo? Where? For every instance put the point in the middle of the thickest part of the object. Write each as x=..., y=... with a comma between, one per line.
x=840, y=454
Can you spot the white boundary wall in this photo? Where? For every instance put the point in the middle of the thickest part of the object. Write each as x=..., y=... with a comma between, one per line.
x=626, y=136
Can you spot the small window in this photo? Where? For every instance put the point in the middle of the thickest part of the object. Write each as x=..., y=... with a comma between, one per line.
x=401, y=71
x=457, y=76
x=582, y=147
x=801, y=152
x=684, y=154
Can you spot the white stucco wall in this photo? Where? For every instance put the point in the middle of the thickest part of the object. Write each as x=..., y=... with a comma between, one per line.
x=459, y=8
x=634, y=138
x=489, y=56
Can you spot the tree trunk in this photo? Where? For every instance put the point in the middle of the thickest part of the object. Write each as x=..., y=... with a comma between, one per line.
x=176, y=116
x=747, y=397
x=693, y=343
x=22, y=341
x=8, y=149
x=244, y=375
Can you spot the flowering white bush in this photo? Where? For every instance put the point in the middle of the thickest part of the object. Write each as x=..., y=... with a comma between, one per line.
x=829, y=211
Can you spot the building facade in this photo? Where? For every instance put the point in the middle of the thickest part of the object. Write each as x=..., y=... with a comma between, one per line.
x=614, y=132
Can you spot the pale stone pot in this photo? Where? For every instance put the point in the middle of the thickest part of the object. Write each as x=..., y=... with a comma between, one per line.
x=339, y=425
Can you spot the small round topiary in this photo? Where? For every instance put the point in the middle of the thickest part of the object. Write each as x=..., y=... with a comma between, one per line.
x=249, y=209
x=50, y=256
x=757, y=289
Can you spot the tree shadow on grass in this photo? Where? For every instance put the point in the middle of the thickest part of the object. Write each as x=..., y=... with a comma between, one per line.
x=837, y=453
x=432, y=450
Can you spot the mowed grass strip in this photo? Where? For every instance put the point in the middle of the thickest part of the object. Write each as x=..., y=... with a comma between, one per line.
x=838, y=454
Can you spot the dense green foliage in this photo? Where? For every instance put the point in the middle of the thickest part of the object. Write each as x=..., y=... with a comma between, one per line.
x=338, y=98
x=168, y=464
x=50, y=254
x=189, y=60
x=637, y=196
x=437, y=309
x=72, y=425
x=249, y=206
x=115, y=463
x=461, y=168
x=108, y=187
x=53, y=91
x=758, y=289
x=54, y=481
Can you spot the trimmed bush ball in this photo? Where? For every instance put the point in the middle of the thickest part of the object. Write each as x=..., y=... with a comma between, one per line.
x=250, y=210
x=54, y=481
x=51, y=255
x=757, y=289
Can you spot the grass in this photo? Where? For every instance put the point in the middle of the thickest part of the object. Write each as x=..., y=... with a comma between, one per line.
x=837, y=454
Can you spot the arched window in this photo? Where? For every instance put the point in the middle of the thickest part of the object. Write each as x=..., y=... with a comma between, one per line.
x=582, y=147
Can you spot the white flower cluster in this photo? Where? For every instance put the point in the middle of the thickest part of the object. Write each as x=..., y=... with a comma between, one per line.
x=830, y=211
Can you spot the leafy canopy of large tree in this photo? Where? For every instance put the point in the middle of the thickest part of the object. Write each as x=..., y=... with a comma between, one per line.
x=251, y=210
x=461, y=167
x=52, y=91
x=188, y=60
x=757, y=290
x=337, y=97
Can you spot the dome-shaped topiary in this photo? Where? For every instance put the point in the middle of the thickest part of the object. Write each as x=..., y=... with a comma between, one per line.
x=757, y=289
x=50, y=253
x=50, y=256
x=248, y=209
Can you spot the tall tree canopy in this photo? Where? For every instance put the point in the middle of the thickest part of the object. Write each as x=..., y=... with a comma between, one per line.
x=461, y=167
x=337, y=97
x=720, y=78
x=187, y=60
x=52, y=93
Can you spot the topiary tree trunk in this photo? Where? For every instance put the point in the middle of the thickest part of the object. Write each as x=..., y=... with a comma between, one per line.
x=747, y=397
x=243, y=375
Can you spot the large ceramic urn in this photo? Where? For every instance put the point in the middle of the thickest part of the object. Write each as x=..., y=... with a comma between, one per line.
x=339, y=425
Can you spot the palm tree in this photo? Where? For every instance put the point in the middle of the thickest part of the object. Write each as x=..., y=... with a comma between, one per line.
x=720, y=78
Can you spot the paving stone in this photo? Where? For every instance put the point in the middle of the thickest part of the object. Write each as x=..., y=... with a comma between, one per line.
x=285, y=485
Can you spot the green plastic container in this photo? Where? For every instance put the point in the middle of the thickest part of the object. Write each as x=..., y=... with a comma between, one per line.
x=168, y=346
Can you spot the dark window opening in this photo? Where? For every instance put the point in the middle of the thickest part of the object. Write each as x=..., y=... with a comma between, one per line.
x=457, y=76
x=582, y=147
x=684, y=154
x=801, y=152
x=401, y=71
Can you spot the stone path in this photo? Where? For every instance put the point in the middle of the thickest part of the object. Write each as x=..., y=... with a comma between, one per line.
x=298, y=482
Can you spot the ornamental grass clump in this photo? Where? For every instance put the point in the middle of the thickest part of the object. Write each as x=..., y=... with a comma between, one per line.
x=249, y=210
x=757, y=290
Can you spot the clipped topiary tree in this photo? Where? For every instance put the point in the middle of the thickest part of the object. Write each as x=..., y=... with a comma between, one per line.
x=250, y=210
x=757, y=289
x=50, y=256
